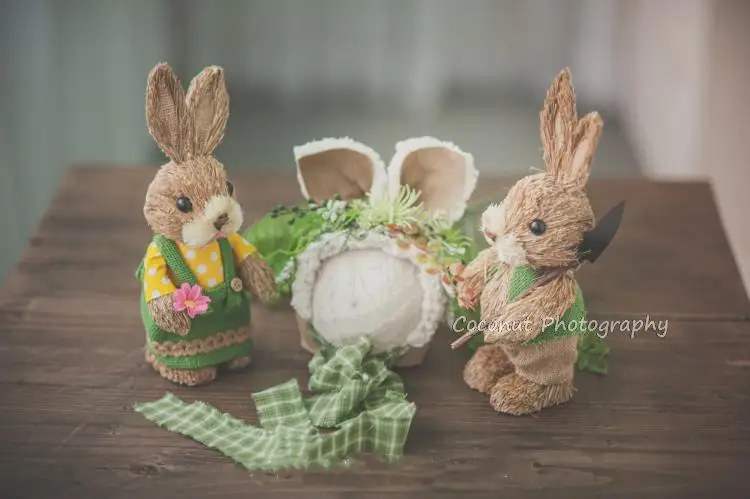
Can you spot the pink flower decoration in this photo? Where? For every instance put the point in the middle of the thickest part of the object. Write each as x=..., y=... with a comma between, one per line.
x=190, y=299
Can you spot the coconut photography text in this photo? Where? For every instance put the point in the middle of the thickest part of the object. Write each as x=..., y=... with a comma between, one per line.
x=602, y=328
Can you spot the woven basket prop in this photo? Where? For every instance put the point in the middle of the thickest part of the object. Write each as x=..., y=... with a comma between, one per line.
x=372, y=251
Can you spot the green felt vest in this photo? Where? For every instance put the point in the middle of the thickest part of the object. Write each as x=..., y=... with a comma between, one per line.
x=570, y=324
x=228, y=310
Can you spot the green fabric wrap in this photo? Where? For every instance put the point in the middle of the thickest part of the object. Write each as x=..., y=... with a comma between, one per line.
x=353, y=393
x=570, y=324
x=228, y=310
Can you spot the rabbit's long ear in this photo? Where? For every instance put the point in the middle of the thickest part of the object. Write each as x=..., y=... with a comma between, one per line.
x=339, y=166
x=166, y=114
x=584, y=142
x=443, y=174
x=208, y=104
x=558, y=123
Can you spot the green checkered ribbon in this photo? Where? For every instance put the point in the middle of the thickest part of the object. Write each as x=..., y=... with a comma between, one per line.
x=353, y=393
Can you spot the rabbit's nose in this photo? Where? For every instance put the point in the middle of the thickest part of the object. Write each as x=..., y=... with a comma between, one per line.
x=221, y=221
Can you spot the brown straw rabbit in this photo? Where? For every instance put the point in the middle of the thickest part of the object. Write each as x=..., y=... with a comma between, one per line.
x=525, y=280
x=193, y=300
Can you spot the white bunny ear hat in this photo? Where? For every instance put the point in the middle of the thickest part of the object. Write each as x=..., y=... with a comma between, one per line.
x=345, y=287
x=443, y=173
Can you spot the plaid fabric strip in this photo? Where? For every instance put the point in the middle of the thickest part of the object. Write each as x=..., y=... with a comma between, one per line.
x=253, y=447
x=353, y=393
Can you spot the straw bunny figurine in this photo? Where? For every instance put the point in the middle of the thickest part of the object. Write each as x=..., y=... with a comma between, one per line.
x=193, y=300
x=525, y=280
x=376, y=269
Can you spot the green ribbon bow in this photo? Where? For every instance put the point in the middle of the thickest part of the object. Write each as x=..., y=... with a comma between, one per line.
x=352, y=392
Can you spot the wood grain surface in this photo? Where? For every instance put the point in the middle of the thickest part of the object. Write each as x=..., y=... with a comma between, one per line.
x=672, y=419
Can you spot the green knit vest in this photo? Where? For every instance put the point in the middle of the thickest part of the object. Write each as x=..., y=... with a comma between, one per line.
x=572, y=321
x=228, y=310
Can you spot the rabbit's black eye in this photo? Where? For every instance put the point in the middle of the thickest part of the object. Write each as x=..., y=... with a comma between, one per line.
x=184, y=204
x=230, y=188
x=537, y=227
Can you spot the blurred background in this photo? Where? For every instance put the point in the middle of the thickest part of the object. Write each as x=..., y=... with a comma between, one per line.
x=670, y=78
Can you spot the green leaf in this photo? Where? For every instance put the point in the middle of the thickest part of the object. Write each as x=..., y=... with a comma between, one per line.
x=592, y=354
x=274, y=239
x=476, y=342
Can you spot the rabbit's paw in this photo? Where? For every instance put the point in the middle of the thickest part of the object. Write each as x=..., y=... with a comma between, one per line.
x=186, y=377
x=164, y=315
x=487, y=365
x=257, y=276
x=517, y=396
x=467, y=300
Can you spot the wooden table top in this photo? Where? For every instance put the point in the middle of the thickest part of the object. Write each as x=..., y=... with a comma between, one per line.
x=672, y=419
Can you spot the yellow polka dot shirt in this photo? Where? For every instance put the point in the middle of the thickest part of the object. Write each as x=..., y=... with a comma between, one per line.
x=205, y=263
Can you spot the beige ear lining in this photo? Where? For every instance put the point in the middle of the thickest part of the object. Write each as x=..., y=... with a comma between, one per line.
x=339, y=166
x=444, y=175
x=438, y=174
x=334, y=172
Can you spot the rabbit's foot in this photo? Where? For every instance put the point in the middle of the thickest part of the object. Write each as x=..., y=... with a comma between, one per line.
x=186, y=377
x=486, y=367
x=517, y=396
x=238, y=363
